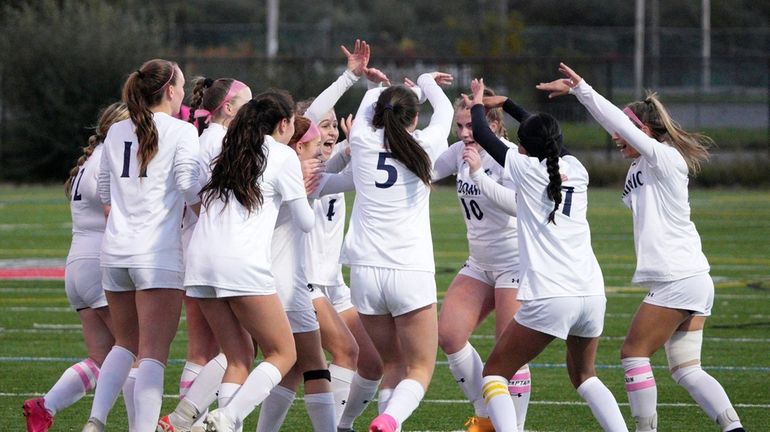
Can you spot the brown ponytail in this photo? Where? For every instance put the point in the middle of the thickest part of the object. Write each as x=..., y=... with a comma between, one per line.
x=395, y=111
x=694, y=147
x=108, y=116
x=144, y=89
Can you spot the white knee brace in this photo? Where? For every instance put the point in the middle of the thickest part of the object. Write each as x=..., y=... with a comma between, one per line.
x=683, y=353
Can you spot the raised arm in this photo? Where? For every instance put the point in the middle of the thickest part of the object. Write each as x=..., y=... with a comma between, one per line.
x=365, y=111
x=186, y=167
x=482, y=133
x=446, y=164
x=440, y=125
x=612, y=118
x=356, y=66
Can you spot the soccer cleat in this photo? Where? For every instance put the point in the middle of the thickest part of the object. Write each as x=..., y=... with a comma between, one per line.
x=166, y=424
x=93, y=425
x=479, y=424
x=38, y=418
x=383, y=423
x=218, y=421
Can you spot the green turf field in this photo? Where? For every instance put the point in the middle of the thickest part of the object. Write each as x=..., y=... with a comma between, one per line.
x=40, y=336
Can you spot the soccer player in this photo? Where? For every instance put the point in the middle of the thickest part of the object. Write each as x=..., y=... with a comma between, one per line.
x=228, y=261
x=82, y=280
x=388, y=244
x=669, y=257
x=489, y=278
x=356, y=367
x=214, y=105
x=148, y=170
x=561, y=288
x=294, y=291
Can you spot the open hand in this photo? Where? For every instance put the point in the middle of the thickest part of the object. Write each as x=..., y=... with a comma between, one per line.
x=346, y=123
x=562, y=86
x=442, y=78
x=376, y=76
x=359, y=58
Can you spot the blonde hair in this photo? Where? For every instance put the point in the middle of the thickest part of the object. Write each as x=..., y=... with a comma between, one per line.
x=108, y=116
x=693, y=146
x=495, y=114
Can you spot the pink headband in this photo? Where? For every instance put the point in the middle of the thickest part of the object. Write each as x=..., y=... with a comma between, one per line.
x=312, y=133
x=235, y=87
x=633, y=117
x=173, y=71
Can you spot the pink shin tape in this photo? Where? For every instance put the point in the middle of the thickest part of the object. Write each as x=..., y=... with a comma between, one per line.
x=235, y=87
x=312, y=133
x=632, y=116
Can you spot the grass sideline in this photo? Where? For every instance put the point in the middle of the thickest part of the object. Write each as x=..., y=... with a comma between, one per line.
x=734, y=225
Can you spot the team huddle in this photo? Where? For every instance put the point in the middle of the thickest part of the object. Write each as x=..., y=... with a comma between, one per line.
x=237, y=212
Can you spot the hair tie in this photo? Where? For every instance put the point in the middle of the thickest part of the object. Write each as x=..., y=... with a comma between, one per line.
x=202, y=113
x=207, y=82
x=140, y=74
x=389, y=107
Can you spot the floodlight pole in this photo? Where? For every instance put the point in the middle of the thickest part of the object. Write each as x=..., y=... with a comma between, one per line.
x=272, y=28
x=639, y=49
x=706, y=45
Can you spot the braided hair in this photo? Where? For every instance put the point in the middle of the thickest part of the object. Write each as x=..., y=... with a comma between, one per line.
x=541, y=136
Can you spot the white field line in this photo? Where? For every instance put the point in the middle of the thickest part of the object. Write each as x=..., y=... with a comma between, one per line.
x=706, y=339
x=36, y=309
x=452, y=401
x=180, y=361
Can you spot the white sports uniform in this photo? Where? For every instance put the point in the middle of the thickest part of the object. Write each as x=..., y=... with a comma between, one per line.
x=82, y=275
x=668, y=247
x=390, y=223
x=230, y=249
x=210, y=147
x=323, y=244
x=491, y=231
x=143, y=231
x=560, y=273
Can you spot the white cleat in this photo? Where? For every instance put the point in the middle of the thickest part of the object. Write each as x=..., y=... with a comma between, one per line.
x=218, y=421
x=93, y=425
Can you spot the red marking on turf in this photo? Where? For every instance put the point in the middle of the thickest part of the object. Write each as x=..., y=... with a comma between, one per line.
x=32, y=273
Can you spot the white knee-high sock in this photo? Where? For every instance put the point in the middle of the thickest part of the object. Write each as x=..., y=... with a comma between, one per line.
x=603, y=405
x=520, y=388
x=128, y=399
x=405, y=399
x=189, y=374
x=226, y=393
x=73, y=384
x=203, y=391
x=362, y=392
x=466, y=368
x=113, y=374
x=342, y=379
x=709, y=395
x=273, y=410
x=383, y=399
x=500, y=407
x=642, y=392
x=320, y=408
x=148, y=393
x=257, y=387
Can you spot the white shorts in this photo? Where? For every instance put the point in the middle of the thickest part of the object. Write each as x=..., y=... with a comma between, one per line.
x=303, y=321
x=694, y=294
x=338, y=295
x=382, y=291
x=493, y=278
x=122, y=279
x=83, y=284
x=210, y=292
x=564, y=316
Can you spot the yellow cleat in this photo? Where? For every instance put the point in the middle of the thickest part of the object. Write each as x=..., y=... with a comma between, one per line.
x=479, y=424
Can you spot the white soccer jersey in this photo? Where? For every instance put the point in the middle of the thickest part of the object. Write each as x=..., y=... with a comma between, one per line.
x=230, y=247
x=144, y=226
x=491, y=232
x=88, y=221
x=668, y=246
x=210, y=147
x=556, y=259
x=323, y=244
x=390, y=222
